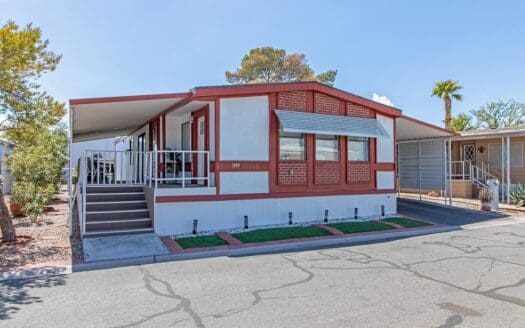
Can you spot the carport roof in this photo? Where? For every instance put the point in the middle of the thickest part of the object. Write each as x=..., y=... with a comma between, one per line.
x=408, y=128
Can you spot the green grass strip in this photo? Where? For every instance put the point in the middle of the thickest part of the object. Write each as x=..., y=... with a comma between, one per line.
x=366, y=226
x=201, y=241
x=406, y=223
x=261, y=235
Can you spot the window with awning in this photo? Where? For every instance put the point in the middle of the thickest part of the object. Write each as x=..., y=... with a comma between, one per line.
x=301, y=122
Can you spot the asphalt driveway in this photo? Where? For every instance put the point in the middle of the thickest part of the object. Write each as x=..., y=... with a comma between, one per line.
x=444, y=215
x=467, y=278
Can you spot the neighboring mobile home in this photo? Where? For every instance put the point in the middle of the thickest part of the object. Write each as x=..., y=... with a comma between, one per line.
x=214, y=157
x=497, y=153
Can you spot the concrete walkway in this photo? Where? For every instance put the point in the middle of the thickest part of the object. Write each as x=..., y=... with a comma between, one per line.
x=122, y=247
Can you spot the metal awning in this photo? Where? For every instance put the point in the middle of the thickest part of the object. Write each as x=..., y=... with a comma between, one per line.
x=302, y=122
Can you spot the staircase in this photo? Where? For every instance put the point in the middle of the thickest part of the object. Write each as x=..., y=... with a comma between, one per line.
x=116, y=210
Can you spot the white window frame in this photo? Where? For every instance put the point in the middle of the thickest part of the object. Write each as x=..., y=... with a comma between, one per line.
x=328, y=137
x=287, y=135
x=364, y=140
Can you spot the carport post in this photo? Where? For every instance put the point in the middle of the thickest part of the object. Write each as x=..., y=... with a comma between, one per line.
x=449, y=171
x=502, y=170
x=445, y=170
x=508, y=170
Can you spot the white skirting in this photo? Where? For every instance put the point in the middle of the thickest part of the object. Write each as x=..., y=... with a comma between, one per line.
x=177, y=218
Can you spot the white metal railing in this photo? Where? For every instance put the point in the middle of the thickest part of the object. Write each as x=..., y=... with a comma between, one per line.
x=105, y=167
x=461, y=170
x=182, y=168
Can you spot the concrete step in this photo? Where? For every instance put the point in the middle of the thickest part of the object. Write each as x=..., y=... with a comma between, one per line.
x=117, y=214
x=116, y=205
x=112, y=188
x=114, y=196
x=103, y=225
x=117, y=232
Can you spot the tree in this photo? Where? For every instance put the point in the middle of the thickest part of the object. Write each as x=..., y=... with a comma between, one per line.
x=499, y=114
x=447, y=90
x=461, y=122
x=24, y=57
x=270, y=65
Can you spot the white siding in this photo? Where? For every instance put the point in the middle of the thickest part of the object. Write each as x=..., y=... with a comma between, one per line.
x=385, y=180
x=385, y=145
x=244, y=132
x=244, y=182
x=177, y=218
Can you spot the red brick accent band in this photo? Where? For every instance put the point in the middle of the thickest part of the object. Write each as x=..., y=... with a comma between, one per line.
x=331, y=230
x=359, y=172
x=228, y=238
x=292, y=100
x=327, y=172
x=358, y=110
x=324, y=104
x=292, y=173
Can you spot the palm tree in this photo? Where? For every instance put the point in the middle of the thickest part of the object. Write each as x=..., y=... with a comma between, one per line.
x=447, y=90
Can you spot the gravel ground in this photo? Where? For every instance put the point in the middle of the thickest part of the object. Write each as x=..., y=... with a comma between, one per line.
x=51, y=241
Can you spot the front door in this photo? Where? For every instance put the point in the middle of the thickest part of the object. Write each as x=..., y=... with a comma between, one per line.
x=199, y=142
x=469, y=153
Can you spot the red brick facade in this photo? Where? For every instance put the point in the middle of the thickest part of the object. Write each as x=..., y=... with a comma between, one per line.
x=324, y=104
x=358, y=110
x=358, y=173
x=292, y=173
x=327, y=172
x=292, y=100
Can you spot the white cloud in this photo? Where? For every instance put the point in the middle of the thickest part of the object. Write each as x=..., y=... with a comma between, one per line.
x=381, y=99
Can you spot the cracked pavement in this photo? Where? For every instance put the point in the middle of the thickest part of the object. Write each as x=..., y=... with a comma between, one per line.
x=467, y=278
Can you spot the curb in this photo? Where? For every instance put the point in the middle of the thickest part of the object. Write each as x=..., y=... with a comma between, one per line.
x=261, y=248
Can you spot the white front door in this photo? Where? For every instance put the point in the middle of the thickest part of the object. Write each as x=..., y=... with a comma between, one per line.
x=201, y=144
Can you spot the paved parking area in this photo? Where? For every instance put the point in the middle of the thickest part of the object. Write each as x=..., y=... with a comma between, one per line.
x=467, y=278
x=444, y=215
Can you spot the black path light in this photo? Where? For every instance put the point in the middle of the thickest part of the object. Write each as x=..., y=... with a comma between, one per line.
x=382, y=210
x=325, y=215
x=246, y=222
x=290, y=220
x=195, y=223
x=356, y=213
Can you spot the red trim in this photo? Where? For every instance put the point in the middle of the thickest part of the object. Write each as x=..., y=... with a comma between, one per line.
x=217, y=144
x=102, y=100
x=251, y=89
x=204, y=111
x=203, y=198
x=243, y=166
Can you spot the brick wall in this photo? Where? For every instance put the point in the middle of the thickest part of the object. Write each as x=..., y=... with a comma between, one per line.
x=293, y=100
x=324, y=104
x=292, y=173
x=359, y=173
x=327, y=172
x=358, y=110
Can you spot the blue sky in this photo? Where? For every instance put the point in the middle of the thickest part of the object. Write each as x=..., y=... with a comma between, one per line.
x=397, y=49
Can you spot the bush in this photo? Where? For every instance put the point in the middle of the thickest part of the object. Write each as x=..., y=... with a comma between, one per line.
x=32, y=198
x=517, y=195
x=37, y=171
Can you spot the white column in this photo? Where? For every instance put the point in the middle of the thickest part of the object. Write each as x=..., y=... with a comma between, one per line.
x=508, y=170
x=419, y=165
x=70, y=179
x=502, y=170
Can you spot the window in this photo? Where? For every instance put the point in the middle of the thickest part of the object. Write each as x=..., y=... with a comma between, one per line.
x=516, y=154
x=358, y=149
x=291, y=146
x=326, y=148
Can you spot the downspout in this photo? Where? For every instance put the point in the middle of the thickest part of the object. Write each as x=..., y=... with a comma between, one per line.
x=419, y=165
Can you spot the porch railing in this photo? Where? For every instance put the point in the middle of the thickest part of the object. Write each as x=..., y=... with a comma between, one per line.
x=461, y=170
x=182, y=168
x=105, y=167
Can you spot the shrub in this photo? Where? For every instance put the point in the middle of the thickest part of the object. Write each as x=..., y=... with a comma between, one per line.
x=517, y=195
x=485, y=195
x=32, y=197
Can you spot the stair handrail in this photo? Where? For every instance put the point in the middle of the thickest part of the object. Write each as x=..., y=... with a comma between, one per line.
x=82, y=215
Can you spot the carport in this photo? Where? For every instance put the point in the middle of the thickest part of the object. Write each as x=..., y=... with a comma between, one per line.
x=423, y=163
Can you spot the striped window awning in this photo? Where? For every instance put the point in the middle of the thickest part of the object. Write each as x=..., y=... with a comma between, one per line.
x=302, y=122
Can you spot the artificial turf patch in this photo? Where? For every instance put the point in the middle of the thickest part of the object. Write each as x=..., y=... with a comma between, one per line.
x=406, y=223
x=200, y=241
x=261, y=235
x=365, y=226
